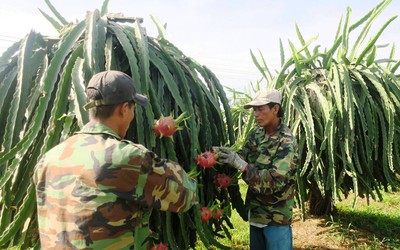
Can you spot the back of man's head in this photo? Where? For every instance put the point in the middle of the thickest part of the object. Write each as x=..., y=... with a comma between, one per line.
x=108, y=89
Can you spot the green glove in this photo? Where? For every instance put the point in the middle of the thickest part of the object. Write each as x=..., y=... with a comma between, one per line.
x=227, y=156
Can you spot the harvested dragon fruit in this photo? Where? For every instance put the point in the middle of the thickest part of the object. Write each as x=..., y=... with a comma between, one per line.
x=206, y=159
x=205, y=213
x=222, y=180
x=167, y=126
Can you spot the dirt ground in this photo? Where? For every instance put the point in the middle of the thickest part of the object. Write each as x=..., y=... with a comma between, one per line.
x=319, y=233
x=313, y=234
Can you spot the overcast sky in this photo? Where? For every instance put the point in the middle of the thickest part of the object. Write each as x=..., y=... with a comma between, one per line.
x=217, y=33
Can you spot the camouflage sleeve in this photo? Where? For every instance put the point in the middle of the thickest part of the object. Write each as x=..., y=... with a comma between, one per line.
x=243, y=152
x=165, y=185
x=276, y=172
x=35, y=174
x=246, y=148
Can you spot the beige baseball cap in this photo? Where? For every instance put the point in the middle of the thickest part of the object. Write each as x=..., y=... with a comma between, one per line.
x=263, y=97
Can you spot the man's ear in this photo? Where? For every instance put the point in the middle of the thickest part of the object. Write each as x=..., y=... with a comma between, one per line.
x=122, y=108
x=276, y=108
x=126, y=107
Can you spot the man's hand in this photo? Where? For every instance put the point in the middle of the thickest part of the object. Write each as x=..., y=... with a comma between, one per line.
x=227, y=156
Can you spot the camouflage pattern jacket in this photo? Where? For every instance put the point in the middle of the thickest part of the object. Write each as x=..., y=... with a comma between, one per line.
x=270, y=175
x=96, y=191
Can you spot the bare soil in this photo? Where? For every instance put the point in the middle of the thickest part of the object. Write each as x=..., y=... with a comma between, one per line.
x=320, y=233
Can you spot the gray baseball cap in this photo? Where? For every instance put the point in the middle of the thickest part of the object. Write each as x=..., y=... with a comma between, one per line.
x=263, y=97
x=115, y=87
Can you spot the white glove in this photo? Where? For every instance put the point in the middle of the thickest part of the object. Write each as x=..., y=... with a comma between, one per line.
x=227, y=156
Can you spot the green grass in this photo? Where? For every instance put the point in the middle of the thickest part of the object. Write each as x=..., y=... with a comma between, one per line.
x=379, y=221
x=368, y=227
x=240, y=233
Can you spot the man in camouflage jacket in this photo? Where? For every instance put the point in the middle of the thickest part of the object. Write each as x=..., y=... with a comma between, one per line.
x=96, y=190
x=268, y=161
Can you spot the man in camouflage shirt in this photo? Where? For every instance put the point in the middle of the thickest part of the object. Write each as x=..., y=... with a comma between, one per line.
x=268, y=161
x=96, y=190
